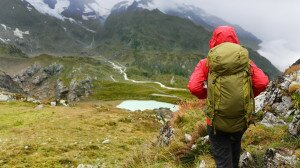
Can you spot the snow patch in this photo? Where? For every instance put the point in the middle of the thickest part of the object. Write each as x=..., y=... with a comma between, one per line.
x=96, y=7
x=87, y=9
x=20, y=33
x=44, y=8
x=4, y=26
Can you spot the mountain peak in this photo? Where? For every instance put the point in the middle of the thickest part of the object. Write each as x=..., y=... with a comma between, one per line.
x=75, y=9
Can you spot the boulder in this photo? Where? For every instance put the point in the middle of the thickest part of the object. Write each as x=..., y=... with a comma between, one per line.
x=294, y=126
x=8, y=84
x=53, y=69
x=5, y=98
x=27, y=73
x=63, y=102
x=106, y=141
x=187, y=138
x=39, y=107
x=270, y=120
x=79, y=89
x=163, y=115
x=165, y=135
x=273, y=95
x=61, y=90
x=246, y=160
x=53, y=104
x=259, y=101
x=283, y=107
x=279, y=158
x=39, y=79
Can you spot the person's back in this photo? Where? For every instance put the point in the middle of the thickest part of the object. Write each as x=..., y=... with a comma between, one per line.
x=233, y=81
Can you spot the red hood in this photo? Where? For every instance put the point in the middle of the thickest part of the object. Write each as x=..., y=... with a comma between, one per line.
x=223, y=34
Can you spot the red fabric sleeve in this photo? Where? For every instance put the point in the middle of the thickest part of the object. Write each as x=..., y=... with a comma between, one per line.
x=196, y=83
x=259, y=79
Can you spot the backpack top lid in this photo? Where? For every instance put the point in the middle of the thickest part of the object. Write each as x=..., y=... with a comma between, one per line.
x=227, y=59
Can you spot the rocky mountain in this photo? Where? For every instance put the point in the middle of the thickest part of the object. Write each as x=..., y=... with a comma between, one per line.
x=139, y=33
x=200, y=17
x=33, y=32
x=75, y=9
x=193, y=13
x=146, y=36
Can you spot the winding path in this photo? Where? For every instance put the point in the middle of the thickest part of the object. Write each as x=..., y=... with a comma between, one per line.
x=122, y=70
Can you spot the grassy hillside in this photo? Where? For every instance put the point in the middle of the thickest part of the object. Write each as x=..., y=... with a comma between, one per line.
x=154, y=30
x=67, y=137
x=155, y=43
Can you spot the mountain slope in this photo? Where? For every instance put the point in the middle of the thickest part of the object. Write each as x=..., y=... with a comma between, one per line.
x=153, y=30
x=34, y=32
x=190, y=12
x=200, y=17
x=160, y=43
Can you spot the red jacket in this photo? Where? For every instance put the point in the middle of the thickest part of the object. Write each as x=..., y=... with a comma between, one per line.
x=200, y=74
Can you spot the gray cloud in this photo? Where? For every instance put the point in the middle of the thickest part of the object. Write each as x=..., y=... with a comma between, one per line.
x=276, y=22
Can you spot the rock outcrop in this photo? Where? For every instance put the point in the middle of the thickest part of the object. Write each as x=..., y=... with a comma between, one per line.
x=279, y=158
x=7, y=84
x=246, y=160
x=79, y=88
x=294, y=126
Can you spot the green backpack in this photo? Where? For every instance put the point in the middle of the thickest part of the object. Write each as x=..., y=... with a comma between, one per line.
x=230, y=101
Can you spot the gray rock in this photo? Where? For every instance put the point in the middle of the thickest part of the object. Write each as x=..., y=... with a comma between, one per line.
x=53, y=69
x=283, y=107
x=270, y=120
x=53, y=104
x=61, y=90
x=163, y=115
x=40, y=79
x=294, y=126
x=79, y=89
x=202, y=141
x=27, y=73
x=87, y=166
x=246, y=160
x=166, y=135
x=5, y=98
x=187, y=138
x=277, y=158
x=285, y=84
x=291, y=112
x=39, y=107
x=259, y=101
x=63, y=102
x=272, y=94
x=106, y=141
x=8, y=84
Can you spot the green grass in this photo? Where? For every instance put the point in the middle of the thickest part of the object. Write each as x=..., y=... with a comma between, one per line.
x=66, y=137
x=132, y=91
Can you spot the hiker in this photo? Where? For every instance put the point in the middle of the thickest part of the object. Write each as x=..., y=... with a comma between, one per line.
x=230, y=81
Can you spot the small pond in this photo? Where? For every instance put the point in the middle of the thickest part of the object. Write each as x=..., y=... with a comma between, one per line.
x=134, y=105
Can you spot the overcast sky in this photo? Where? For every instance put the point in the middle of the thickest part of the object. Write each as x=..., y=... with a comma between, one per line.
x=275, y=22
